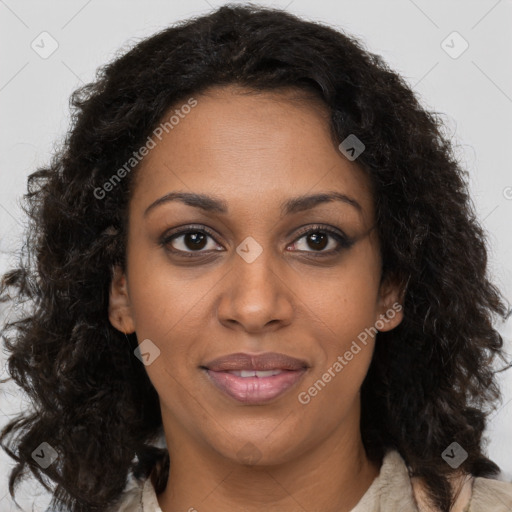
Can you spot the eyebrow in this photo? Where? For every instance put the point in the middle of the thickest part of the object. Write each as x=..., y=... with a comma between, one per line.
x=215, y=205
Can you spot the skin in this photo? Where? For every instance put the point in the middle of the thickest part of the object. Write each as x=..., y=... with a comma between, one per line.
x=254, y=150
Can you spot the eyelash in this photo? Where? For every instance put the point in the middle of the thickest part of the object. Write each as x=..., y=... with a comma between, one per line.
x=344, y=242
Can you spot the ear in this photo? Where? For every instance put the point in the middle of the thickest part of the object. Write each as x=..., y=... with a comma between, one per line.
x=119, y=309
x=390, y=305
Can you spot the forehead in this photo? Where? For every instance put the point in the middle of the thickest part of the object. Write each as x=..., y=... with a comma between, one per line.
x=249, y=147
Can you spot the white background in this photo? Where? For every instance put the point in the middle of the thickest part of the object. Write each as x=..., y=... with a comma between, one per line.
x=473, y=91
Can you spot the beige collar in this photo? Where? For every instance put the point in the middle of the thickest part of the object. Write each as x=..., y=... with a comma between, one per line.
x=463, y=487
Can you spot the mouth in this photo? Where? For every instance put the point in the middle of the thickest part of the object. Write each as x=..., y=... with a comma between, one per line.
x=255, y=379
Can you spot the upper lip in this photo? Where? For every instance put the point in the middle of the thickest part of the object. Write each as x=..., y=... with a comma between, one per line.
x=258, y=362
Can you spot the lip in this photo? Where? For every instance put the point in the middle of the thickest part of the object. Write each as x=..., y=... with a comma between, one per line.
x=254, y=389
x=261, y=362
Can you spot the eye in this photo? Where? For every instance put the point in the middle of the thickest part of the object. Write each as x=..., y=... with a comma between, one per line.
x=188, y=241
x=194, y=239
x=319, y=237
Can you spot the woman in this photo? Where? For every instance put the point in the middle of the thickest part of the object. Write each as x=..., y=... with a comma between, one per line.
x=257, y=284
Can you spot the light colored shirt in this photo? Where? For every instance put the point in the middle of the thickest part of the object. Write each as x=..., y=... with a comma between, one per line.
x=392, y=491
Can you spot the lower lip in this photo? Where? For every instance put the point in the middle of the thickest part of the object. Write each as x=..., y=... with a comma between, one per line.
x=255, y=390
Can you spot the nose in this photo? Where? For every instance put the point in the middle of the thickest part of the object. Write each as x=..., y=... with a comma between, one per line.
x=255, y=296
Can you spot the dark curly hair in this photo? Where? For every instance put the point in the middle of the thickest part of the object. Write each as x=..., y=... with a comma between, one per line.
x=432, y=379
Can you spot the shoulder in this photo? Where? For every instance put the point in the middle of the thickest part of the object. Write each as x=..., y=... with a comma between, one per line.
x=474, y=495
x=138, y=496
x=490, y=495
x=131, y=499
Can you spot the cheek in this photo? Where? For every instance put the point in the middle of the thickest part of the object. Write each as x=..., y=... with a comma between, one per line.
x=346, y=300
x=332, y=392
x=345, y=340
x=345, y=309
x=165, y=298
x=167, y=310
x=343, y=324
x=171, y=318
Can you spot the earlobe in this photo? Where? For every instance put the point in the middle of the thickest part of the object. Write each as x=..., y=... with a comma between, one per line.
x=119, y=308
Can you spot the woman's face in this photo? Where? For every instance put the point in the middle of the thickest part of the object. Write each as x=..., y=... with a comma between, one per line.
x=259, y=272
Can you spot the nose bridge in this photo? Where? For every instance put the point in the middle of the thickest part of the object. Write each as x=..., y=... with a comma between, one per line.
x=255, y=270
x=255, y=264
x=256, y=294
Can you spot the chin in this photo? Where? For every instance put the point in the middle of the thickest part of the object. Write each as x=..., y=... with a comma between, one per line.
x=258, y=450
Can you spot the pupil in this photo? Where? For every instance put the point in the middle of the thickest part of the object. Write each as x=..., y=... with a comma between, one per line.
x=196, y=238
x=316, y=237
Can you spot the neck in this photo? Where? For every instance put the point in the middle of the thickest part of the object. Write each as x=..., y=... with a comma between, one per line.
x=331, y=477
